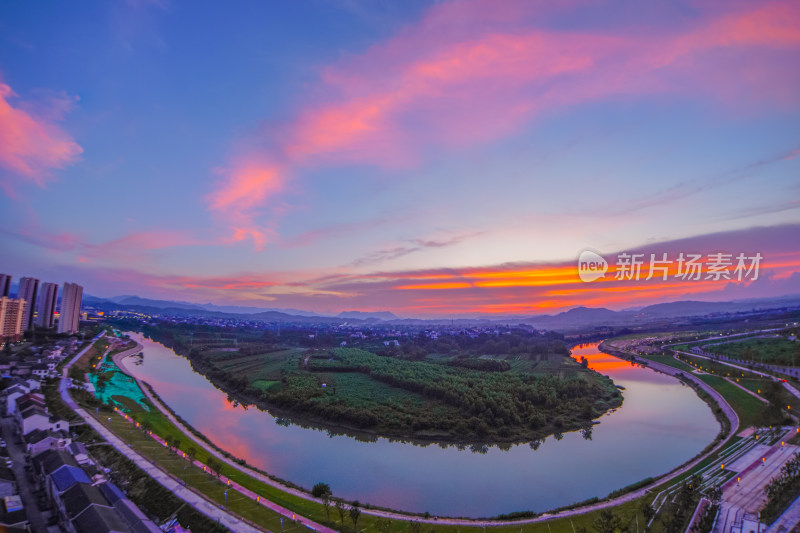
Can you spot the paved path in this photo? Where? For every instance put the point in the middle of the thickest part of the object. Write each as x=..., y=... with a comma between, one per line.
x=786, y=385
x=744, y=494
x=196, y=500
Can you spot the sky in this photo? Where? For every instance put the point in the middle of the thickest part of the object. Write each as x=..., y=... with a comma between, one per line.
x=429, y=158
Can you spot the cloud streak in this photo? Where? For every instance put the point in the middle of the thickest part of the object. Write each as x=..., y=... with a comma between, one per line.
x=516, y=288
x=31, y=146
x=469, y=73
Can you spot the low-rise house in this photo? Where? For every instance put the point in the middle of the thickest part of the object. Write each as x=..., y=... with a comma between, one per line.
x=58, y=424
x=63, y=479
x=76, y=500
x=48, y=462
x=33, y=417
x=99, y=519
x=22, y=368
x=13, y=394
x=12, y=514
x=132, y=515
x=32, y=414
x=79, y=452
x=8, y=483
x=41, y=440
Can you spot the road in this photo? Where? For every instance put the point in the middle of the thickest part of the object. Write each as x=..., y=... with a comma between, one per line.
x=16, y=451
x=210, y=509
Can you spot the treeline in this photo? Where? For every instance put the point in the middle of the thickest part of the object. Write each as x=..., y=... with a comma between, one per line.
x=499, y=404
x=516, y=343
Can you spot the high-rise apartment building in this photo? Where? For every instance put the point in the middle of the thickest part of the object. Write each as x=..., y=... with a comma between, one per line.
x=46, y=307
x=5, y=285
x=28, y=291
x=12, y=316
x=70, y=318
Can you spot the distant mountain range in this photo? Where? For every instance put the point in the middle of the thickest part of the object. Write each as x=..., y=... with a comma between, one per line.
x=576, y=318
x=169, y=304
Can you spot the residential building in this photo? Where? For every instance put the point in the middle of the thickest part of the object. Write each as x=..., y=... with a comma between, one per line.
x=99, y=519
x=29, y=291
x=5, y=285
x=12, y=319
x=13, y=393
x=12, y=514
x=46, y=307
x=71, y=297
x=8, y=484
x=86, y=503
x=79, y=452
x=41, y=440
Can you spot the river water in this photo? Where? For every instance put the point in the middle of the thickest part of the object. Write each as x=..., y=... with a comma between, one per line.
x=661, y=424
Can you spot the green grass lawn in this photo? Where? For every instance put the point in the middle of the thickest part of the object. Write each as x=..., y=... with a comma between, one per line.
x=774, y=351
x=266, y=384
x=747, y=408
x=193, y=476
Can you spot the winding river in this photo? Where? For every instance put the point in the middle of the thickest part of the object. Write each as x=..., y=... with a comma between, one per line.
x=661, y=424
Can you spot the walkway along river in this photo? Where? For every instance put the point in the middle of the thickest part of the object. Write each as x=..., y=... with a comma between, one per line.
x=661, y=425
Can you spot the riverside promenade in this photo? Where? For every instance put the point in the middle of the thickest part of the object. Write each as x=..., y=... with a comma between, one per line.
x=208, y=508
x=726, y=408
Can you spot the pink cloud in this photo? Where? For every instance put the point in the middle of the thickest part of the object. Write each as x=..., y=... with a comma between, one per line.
x=130, y=249
x=472, y=72
x=30, y=145
x=247, y=185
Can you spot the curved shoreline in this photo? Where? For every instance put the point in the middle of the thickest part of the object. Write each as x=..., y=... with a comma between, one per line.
x=400, y=515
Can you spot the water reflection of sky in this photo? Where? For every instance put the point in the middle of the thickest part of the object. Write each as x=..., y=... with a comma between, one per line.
x=661, y=424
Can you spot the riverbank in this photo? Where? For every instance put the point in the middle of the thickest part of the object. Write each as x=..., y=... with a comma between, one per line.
x=567, y=514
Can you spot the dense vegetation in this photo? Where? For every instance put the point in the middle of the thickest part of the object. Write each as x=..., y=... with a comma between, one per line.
x=525, y=388
x=782, y=490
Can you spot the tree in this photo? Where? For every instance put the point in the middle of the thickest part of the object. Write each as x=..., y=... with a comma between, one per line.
x=715, y=494
x=383, y=525
x=319, y=489
x=215, y=466
x=355, y=513
x=607, y=522
x=191, y=453
x=323, y=492
x=340, y=507
x=647, y=511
